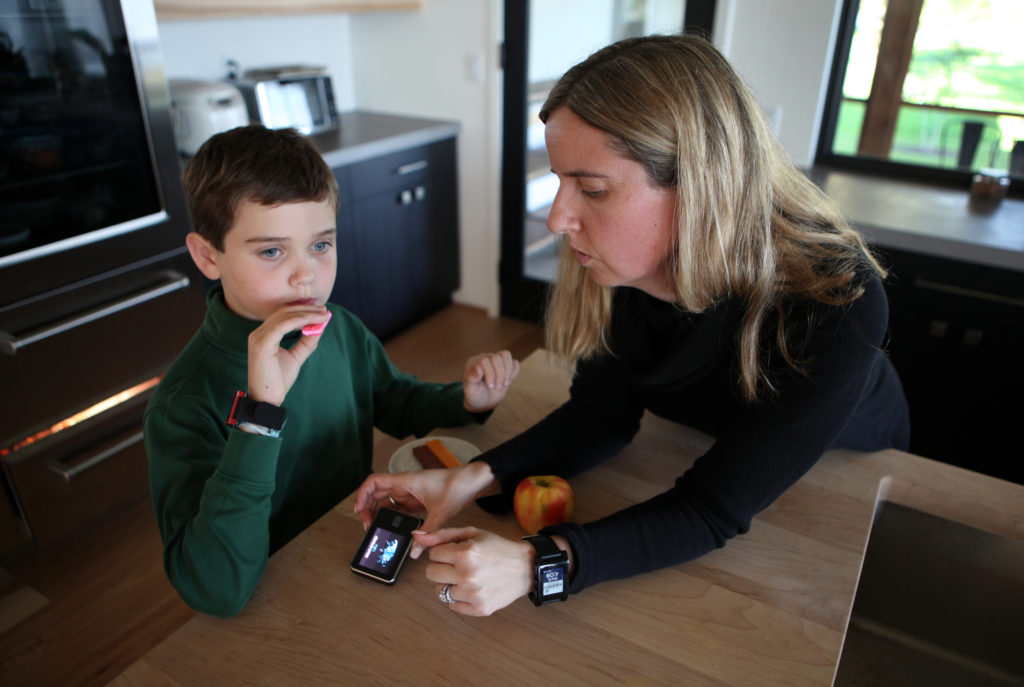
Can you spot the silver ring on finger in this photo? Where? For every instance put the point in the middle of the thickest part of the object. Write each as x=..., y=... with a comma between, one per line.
x=393, y=502
x=446, y=595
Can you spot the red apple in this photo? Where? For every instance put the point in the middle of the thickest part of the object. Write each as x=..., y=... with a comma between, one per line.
x=543, y=500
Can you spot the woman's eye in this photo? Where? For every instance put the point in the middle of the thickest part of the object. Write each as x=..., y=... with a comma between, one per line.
x=270, y=252
x=322, y=246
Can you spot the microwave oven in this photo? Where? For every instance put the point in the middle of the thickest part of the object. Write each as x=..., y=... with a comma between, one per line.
x=281, y=97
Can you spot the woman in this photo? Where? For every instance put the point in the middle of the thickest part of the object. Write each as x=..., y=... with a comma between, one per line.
x=702, y=278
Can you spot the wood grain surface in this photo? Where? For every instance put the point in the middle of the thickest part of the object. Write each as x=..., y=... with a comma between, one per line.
x=770, y=608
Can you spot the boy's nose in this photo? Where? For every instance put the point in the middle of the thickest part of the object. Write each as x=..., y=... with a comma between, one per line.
x=302, y=273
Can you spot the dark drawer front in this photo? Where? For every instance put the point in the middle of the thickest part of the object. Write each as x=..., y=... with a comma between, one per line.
x=65, y=480
x=404, y=168
x=12, y=531
x=126, y=330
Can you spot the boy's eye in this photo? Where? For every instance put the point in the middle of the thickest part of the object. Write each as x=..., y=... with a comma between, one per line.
x=270, y=252
x=592, y=194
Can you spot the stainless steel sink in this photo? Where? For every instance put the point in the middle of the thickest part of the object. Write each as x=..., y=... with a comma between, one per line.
x=938, y=603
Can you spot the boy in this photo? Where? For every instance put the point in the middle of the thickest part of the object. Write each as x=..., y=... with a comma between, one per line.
x=233, y=475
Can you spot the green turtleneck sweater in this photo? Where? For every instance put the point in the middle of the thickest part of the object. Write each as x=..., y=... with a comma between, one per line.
x=225, y=499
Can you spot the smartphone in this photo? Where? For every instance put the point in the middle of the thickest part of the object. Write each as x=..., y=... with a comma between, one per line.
x=385, y=546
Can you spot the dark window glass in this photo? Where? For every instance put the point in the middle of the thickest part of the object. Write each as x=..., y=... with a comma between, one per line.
x=74, y=157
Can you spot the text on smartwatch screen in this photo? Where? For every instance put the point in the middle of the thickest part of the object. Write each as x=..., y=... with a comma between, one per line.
x=552, y=580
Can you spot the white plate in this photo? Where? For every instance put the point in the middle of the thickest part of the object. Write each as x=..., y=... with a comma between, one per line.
x=403, y=460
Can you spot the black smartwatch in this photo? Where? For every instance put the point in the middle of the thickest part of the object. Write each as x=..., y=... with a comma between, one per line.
x=247, y=411
x=550, y=571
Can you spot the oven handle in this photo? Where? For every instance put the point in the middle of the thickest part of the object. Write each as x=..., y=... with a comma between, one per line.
x=90, y=461
x=174, y=281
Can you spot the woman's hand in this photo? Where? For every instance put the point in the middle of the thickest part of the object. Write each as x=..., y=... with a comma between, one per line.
x=487, y=379
x=487, y=572
x=441, y=493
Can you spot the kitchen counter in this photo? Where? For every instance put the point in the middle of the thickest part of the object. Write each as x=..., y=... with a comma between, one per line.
x=927, y=219
x=956, y=311
x=362, y=135
x=770, y=608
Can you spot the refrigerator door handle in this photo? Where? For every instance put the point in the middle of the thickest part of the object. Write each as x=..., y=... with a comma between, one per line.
x=173, y=281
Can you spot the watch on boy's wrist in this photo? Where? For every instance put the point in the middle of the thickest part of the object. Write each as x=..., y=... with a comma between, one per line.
x=244, y=410
x=550, y=571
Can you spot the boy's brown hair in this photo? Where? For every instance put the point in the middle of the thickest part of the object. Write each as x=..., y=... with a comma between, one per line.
x=255, y=164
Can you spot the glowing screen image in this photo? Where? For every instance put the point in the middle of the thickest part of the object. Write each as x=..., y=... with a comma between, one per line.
x=381, y=551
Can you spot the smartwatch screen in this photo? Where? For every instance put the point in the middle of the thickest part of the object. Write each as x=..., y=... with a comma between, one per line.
x=552, y=579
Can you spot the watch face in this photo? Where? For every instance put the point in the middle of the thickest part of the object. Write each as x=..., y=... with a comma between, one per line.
x=551, y=579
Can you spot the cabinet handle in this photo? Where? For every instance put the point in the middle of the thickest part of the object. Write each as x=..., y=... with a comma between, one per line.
x=412, y=167
x=970, y=293
x=88, y=461
x=173, y=281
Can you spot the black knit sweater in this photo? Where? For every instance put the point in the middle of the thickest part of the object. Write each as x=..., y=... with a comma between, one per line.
x=683, y=367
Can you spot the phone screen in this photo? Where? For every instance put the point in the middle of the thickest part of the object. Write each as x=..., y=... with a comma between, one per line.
x=385, y=546
x=380, y=553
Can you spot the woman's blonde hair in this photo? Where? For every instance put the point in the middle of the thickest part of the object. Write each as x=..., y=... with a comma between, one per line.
x=750, y=225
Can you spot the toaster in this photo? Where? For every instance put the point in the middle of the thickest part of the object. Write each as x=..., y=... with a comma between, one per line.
x=200, y=109
x=296, y=96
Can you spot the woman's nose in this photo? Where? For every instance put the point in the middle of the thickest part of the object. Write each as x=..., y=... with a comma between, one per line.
x=561, y=219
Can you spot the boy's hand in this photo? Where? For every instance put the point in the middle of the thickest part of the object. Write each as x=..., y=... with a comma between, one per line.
x=272, y=368
x=487, y=379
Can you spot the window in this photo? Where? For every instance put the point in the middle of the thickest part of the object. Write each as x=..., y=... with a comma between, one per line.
x=932, y=89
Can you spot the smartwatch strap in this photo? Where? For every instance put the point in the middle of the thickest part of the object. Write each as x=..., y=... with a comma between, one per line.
x=549, y=558
x=244, y=410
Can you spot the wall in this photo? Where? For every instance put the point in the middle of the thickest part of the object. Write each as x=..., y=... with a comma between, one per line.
x=200, y=49
x=553, y=49
x=783, y=50
x=442, y=62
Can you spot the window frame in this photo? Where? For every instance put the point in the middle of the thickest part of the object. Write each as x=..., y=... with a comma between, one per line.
x=824, y=156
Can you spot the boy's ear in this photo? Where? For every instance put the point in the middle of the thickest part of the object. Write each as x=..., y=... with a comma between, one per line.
x=204, y=255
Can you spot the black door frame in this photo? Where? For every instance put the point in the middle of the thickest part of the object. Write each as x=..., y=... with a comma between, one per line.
x=520, y=296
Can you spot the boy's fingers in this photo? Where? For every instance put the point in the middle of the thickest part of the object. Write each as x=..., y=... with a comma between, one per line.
x=490, y=372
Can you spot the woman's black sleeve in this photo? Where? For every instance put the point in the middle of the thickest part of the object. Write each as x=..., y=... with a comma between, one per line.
x=761, y=452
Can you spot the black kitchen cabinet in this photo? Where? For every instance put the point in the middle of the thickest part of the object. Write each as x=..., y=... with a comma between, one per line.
x=398, y=245
x=957, y=340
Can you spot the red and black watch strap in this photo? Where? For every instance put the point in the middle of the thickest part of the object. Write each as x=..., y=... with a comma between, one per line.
x=244, y=409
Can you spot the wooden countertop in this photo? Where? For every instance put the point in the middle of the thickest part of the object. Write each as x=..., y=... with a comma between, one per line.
x=770, y=608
